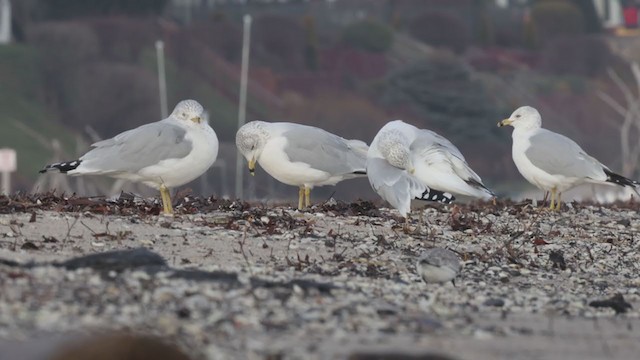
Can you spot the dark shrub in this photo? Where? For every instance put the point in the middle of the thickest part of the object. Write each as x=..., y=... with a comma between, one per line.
x=441, y=29
x=279, y=42
x=554, y=18
x=368, y=35
x=577, y=55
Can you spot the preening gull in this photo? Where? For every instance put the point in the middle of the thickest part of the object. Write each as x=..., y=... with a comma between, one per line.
x=301, y=155
x=162, y=154
x=405, y=162
x=553, y=162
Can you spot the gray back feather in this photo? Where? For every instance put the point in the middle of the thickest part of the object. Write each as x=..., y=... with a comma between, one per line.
x=324, y=151
x=558, y=155
x=138, y=148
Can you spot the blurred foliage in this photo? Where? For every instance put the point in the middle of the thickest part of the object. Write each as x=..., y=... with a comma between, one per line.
x=279, y=42
x=444, y=93
x=122, y=39
x=127, y=96
x=368, y=35
x=64, y=48
x=441, y=29
x=65, y=9
x=591, y=18
x=311, y=47
x=26, y=124
x=345, y=113
x=577, y=55
x=220, y=34
x=311, y=62
x=556, y=18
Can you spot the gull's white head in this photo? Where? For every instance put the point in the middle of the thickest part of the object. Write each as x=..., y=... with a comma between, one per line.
x=393, y=145
x=250, y=140
x=189, y=111
x=525, y=117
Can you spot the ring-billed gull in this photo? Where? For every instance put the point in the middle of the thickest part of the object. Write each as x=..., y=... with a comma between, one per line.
x=300, y=155
x=163, y=154
x=438, y=265
x=405, y=162
x=553, y=162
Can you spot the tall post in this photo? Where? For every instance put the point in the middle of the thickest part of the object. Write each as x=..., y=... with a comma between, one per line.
x=162, y=79
x=8, y=164
x=6, y=183
x=5, y=21
x=242, y=105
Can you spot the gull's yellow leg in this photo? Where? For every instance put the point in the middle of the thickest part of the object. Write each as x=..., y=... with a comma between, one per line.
x=553, y=198
x=559, y=202
x=307, y=197
x=163, y=198
x=166, y=200
x=300, y=198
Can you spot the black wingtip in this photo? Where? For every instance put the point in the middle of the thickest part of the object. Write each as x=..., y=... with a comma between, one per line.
x=480, y=185
x=360, y=172
x=437, y=196
x=62, y=167
x=620, y=180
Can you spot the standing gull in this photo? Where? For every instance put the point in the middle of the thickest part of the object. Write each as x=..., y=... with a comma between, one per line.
x=300, y=155
x=162, y=155
x=553, y=162
x=405, y=162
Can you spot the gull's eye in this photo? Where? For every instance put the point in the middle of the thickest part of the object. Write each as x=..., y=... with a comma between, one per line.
x=253, y=147
x=184, y=114
x=517, y=116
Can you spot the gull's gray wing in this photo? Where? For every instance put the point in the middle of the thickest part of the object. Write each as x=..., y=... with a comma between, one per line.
x=427, y=138
x=433, y=148
x=558, y=155
x=138, y=148
x=440, y=257
x=325, y=151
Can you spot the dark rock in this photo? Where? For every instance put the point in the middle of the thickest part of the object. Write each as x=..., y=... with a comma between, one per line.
x=28, y=245
x=201, y=275
x=617, y=303
x=396, y=355
x=304, y=284
x=624, y=222
x=494, y=302
x=557, y=259
x=116, y=260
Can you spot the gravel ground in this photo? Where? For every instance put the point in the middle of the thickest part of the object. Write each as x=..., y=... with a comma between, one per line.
x=234, y=280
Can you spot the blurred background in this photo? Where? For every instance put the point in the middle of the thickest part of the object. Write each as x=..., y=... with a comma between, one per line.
x=76, y=71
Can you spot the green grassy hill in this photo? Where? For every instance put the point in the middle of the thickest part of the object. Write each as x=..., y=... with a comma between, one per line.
x=25, y=123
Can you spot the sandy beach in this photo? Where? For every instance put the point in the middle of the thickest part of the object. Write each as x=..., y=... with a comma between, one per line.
x=229, y=280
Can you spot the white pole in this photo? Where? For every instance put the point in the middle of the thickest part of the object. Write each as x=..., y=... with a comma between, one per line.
x=8, y=164
x=242, y=106
x=162, y=79
x=6, y=183
x=5, y=21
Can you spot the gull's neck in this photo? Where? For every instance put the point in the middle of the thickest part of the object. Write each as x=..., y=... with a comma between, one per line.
x=524, y=131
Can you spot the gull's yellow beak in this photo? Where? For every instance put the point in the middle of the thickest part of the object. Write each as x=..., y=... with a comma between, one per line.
x=196, y=119
x=252, y=167
x=505, y=122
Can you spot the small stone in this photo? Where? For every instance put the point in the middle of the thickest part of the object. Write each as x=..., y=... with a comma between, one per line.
x=494, y=302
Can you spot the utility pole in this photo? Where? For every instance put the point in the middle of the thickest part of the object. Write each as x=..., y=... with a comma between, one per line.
x=242, y=105
x=162, y=79
x=8, y=164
